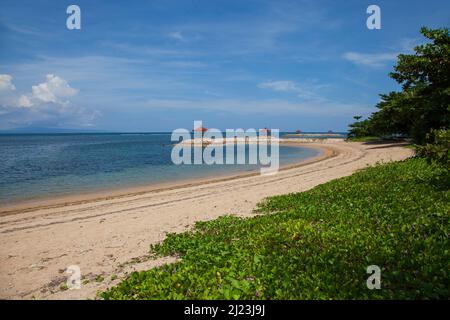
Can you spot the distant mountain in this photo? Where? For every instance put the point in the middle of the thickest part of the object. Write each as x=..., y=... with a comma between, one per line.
x=30, y=130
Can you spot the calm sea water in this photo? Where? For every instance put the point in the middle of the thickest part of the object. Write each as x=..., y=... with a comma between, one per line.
x=41, y=166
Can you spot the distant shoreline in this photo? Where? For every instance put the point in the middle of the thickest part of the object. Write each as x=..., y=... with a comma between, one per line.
x=81, y=132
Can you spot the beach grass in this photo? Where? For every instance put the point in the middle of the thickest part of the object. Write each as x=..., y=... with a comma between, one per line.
x=316, y=244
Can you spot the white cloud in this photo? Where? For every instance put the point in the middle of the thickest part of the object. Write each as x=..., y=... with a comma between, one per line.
x=53, y=89
x=24, y=101
x=177, y=36
x=305, y=91
x=6, y=83
x=45, y=105
x=312, y=101
x=370, y=59
x=283, y=85
x=266, y=107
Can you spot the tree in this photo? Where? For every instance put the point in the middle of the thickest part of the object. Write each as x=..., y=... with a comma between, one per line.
x=425, y=79
x=424, y=102
x=359, y=128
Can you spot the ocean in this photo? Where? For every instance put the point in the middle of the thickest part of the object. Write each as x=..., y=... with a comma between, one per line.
x=37, y=166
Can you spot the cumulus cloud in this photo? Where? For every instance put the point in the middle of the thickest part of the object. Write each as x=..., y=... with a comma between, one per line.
x=47, y=104
x=53, y=89
x=370, y=59
x=6, y=83
x=24, y=101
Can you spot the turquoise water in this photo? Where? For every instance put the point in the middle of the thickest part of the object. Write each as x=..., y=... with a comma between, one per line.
x=49, y=165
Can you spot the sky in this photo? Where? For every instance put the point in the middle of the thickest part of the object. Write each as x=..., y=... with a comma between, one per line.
x=159, y=65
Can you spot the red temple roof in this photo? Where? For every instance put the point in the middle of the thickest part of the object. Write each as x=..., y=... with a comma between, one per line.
x=201, y=129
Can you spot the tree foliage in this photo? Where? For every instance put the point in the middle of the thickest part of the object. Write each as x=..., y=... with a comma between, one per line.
x=424, y=102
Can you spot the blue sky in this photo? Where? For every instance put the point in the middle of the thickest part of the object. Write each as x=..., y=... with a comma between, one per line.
x=159, y=65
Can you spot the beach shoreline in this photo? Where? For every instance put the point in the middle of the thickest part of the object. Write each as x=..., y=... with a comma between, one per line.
x=21, y=206
x=109, y=238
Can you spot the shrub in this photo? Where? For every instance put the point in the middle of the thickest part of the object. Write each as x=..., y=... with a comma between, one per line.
x=438, y=150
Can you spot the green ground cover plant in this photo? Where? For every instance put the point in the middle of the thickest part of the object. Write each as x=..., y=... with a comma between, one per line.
x=317, y=244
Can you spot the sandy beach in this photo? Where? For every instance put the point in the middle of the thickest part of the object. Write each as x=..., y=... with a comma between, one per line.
x=110, y=235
